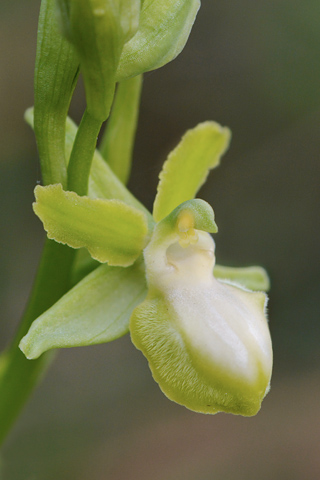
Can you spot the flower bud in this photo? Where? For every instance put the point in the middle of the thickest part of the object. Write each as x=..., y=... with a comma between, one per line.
x=207, y=342
x=98, y=29
x=164, y=29
x=119, y=39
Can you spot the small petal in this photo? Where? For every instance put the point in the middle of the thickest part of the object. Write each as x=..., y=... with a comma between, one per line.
x=111, y=230
x=253, y=278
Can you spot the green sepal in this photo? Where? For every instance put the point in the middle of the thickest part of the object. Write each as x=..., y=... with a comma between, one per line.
x=163, y=31
x=117, y=144
x=96, y=310
x=111, y=230
x=56, y=73
x=253, y=278
x=188, y=165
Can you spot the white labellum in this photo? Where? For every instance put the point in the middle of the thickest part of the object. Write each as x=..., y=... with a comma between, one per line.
x=207, y=342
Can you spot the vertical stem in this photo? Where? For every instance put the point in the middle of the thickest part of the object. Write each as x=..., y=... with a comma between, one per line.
x=82, y=154
x=118, y=140
x=18, y=376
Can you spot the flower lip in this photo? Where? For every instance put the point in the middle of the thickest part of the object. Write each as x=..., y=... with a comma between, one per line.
x=207, y=341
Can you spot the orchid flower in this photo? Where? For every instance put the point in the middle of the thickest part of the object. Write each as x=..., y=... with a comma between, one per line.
x=202, y=328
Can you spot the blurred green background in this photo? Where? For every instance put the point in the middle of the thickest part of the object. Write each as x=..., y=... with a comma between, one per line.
x=98, y=415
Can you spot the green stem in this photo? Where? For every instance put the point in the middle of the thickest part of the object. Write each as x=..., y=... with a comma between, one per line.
x=82, y=154
x=18, y=376
x=118, y=140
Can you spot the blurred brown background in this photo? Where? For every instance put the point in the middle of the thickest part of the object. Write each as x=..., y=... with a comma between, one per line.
x=98, y=415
